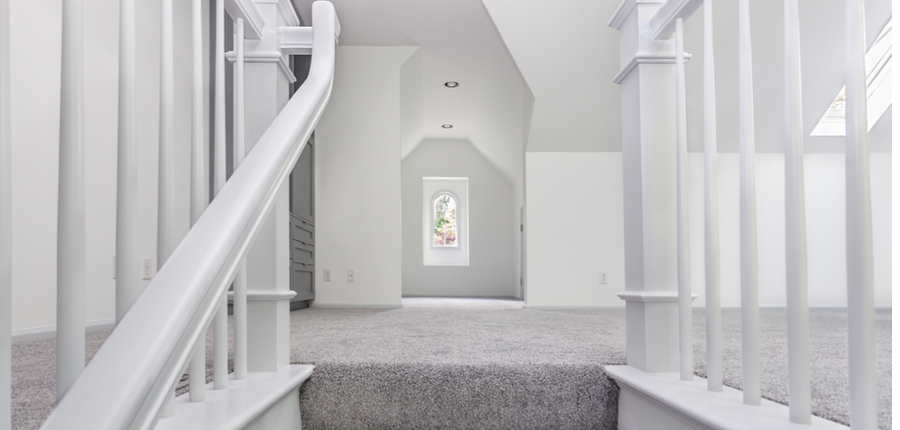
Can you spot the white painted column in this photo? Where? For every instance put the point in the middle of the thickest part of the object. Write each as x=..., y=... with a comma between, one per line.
x=5, y=222
x=685, y=311
x=749, y=254
x=711, y=202
x=240, y=149
x=199, y=173
x=70, y=274
x=128, y=275
x=860, y=271
x=647, y=82
x=795, y=223
x=220, y=322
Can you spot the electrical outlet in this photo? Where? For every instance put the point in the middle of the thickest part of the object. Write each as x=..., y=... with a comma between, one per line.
x=351, y=275
x=327, y=274
x=145, y=268
x=603, y=278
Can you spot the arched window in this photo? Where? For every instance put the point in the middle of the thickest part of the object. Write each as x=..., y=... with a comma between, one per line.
x=445, y=228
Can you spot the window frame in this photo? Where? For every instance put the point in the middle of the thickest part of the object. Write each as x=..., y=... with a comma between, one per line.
x=433, y=200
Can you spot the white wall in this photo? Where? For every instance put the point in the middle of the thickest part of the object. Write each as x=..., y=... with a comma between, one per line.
x=358, y=180
x=825, y=217
x=568, y=64
x=575, y=229
x=564, y=255
x=492, y=228
x=36, y=35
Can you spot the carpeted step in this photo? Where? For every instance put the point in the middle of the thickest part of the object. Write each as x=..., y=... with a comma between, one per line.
x=441, y=396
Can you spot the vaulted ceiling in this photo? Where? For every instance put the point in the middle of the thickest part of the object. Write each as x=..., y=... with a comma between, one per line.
x=539, y=73
x=457, y=42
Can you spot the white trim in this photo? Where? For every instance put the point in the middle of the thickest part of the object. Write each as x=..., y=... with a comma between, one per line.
x=354, y=306
x=690, y=402
x=261, y=398
x=296, y=40
x=285, y=9
x=651, y=296
x=442, y=178
x=572, y=308
x=265, y=57
x=662, y=25
x=253, y=20
x=624, y=10
x=49, y=332
x=266, y=295
x=644, y=58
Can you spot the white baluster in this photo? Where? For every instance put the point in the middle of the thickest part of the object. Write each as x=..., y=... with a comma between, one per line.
x=749, y=254
x=240, y=280
x=166, y=237
x=5, y=221
x=685, y=316
x=70, y=275
x=127, y=258
x=795, y=223
x=220, y=323
x=860, y=271
x=219, y=165
x=711, y=226
x=199, y=174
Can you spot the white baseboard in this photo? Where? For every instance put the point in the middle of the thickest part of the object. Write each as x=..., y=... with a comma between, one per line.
x=663, y=401
x=49, y=332
x=262, y=401
x=573, y=308
x=353, y=305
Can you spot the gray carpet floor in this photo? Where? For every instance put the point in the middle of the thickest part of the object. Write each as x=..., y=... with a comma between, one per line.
x=462, y=363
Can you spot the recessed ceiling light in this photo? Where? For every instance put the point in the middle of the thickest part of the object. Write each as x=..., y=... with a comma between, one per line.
x=451, y=84
x=447, y=126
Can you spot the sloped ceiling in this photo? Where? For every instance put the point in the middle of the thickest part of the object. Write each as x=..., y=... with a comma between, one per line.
x=457, y=42
x=568, y=57
x=822, y=68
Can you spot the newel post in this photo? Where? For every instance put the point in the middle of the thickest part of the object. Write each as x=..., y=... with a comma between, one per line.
x=268, y=289
x=647, y=82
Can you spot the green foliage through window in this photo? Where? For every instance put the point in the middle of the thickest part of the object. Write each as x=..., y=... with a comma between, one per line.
x=445, y=221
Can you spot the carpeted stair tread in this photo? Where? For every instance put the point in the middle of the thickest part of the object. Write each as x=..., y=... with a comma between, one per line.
x=426, y=396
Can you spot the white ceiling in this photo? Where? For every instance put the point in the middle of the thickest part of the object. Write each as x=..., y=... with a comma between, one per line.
x=457, y=41
x=822, y=68
x=492, y=108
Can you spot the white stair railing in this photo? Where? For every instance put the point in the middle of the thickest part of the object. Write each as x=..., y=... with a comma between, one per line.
x=131, y=376
x=664, y=19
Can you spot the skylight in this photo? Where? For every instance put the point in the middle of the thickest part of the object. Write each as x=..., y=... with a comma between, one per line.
x=878, y=84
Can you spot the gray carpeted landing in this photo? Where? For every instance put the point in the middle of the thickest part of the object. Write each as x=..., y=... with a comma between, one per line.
x=458, y=367
x=489, y=364
x=829, y=380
